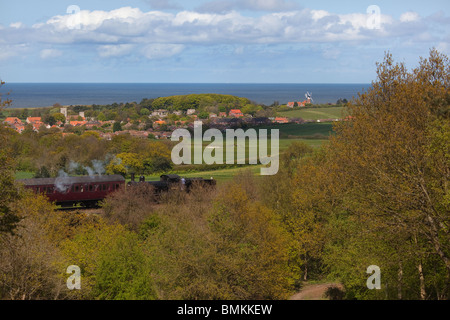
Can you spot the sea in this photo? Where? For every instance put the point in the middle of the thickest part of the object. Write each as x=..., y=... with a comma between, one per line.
x=37, y=95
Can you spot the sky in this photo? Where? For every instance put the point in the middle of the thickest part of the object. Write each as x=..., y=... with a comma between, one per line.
x=215, y=41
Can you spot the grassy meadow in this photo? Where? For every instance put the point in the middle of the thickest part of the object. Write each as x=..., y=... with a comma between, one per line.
x=312, y=134
x=312, y=113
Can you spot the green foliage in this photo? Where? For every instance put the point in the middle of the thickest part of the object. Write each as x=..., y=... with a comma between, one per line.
x=203, y=115
x=197, y=101
x=122, y=272
x=117, y=126
x=391, y=175
x=224, y=246
x=8, y=190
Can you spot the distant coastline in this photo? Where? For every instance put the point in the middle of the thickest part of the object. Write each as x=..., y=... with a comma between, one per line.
x=38, y=95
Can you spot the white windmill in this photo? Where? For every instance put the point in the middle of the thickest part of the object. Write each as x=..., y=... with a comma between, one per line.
x=309, y=97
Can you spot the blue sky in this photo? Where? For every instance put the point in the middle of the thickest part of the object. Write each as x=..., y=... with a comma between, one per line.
x=214, y=41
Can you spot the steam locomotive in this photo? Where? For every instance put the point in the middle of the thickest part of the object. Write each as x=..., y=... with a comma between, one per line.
x=90, y=190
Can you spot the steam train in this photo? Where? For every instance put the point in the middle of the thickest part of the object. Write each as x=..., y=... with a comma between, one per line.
x=88, y=191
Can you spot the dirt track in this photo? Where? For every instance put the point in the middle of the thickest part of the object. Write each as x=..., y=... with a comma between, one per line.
x=313, y=292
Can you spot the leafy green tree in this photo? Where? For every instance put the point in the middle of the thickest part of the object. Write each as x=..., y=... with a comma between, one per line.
x=59, y=117
x=203, y=115
x=117, y=126
x=30, y=259
x=122, y=272
x=101, y=117
x=50, y=119
x=144, y=112
x=390, y=165
x=8, y=190
x=42, y=173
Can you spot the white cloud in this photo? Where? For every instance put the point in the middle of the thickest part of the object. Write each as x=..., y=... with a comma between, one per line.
x=409, y=17
x=158, y=34
x=319, y=14
x=5, y=53
x=160, y=51
x=221, y=6
x=108, y=51
x=130, y=25
x=162, y=4
x=17, y=25
x=50, y=53
x=9, y=51
x=269, y=5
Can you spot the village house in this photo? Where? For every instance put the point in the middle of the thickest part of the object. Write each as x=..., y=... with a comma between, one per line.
x=15, y=124
x=299, y=103
x=92, y=124
x=191, y=112
x=222, y=114
x=36, y=122
x=159, y=123
x=236, y=113
x=281, y=120
x=77, y=123
x=34, y=119
x=13, y=120
x=161, y=113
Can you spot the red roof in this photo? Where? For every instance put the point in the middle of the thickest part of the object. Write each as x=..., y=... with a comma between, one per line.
x=236, y=113
x=34, y=119
x=78, y=123
x=281, y=120
x=12, y=120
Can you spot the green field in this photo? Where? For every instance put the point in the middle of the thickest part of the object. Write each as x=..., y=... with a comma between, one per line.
x=315, y=113
x=312, y=134
x=24, y=175
x=320, y=131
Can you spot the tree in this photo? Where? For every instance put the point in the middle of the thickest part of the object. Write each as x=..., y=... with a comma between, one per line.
x=144, y=112
x=220, y=246
x=117, y=126
x=122, y=272
x=392, y=168
x=30, y=260
x=203, y=115
x=59, y=117
x=42, y=173
x=50, y=119
x=101, y=117
x=9, y=219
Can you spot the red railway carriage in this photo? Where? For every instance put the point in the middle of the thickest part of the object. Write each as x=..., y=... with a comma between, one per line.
x=69, y=191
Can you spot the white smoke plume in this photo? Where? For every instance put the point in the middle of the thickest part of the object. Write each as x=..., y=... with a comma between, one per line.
x=62, y=183
x=97, y=168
